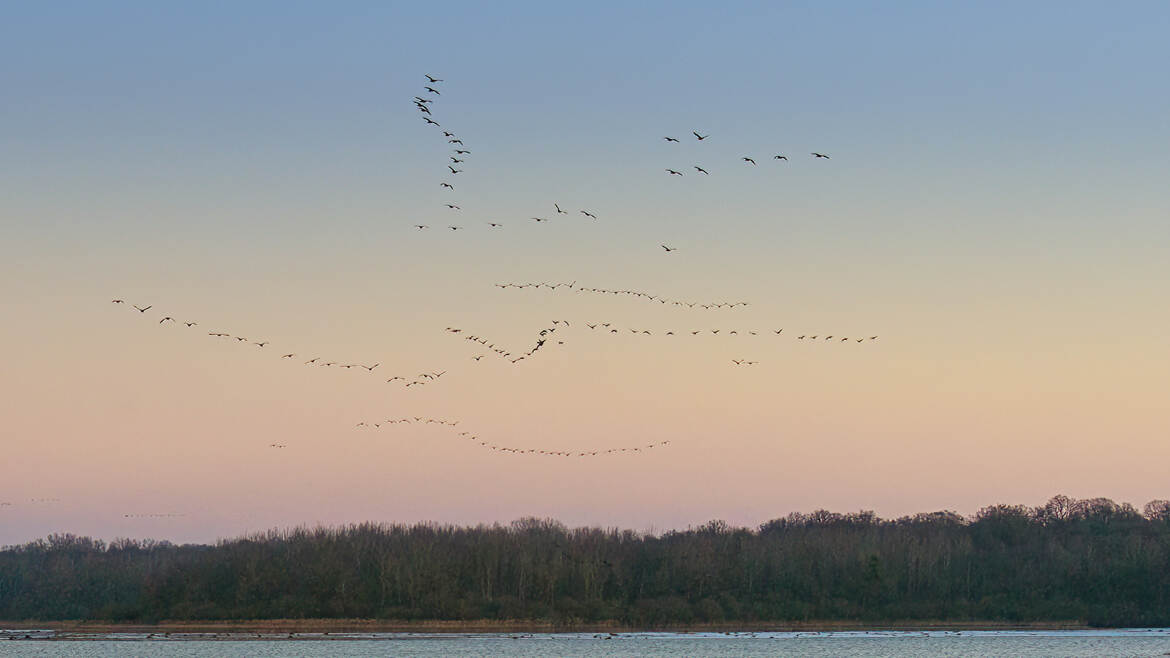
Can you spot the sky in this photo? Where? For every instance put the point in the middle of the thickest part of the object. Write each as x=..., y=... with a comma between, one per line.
x=994, y=209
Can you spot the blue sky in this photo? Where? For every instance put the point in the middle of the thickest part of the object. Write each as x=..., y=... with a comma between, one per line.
x=995, y=204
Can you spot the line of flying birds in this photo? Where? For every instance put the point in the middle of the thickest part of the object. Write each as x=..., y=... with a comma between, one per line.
x=516, y=451
x=745, y=159
x=572, y=286
x=544, y=335
x=407, y=381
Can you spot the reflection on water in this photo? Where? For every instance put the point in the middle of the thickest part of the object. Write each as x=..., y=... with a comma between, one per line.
x=1123, y=642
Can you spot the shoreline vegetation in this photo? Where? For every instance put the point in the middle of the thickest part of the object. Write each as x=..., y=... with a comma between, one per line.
x=1067, y=564
x=438, y=626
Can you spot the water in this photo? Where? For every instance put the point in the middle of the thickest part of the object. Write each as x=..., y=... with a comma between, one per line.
x=1124, y=642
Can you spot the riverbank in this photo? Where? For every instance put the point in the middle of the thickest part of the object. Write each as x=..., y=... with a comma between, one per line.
x=267, y=626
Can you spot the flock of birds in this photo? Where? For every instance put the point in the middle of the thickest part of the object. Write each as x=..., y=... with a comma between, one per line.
x=458, y=157
x=316, y=361
x=458, y=160
x=745, y=159
x=515, y=451
x=573, y=287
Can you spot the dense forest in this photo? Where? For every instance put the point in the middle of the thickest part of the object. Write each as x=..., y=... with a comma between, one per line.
x=1094, y=561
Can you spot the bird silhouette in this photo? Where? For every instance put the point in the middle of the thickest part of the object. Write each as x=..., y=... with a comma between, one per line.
x=748, y=160
x=454, y=170
x=673, y=172
x=433, y=90
x=166, y=319
x=559, y=211
x=420, y=226
x=588, y=214
x=701, y=170
x=779, y=157
x=433, y=80
x=669, y=249
x=143, y=310
x=670, y=139
x=447, y=185
x=698, y=136
x=117, y=301
x=819, y=155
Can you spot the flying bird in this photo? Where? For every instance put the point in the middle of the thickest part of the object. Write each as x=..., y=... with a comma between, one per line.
x=447, y=185
x=540, y=219
x=701, y=170
x=820, y=155
x=165, y=319
x=454, y=228
x=452, y=206
x=669, y=249
x=779, y=157
x=454, y=170
x=670, y=139
x=700, y=137
x=428, y=120
x=748, y=160
x=433, y=80
x=420, y=226
x=673, y=172
x=455, y=141
x=190, y=324
x=559, y=211
x=494, y=225
x=433, y=90
x=117, y=301
x=143, y=310
x=287, y=356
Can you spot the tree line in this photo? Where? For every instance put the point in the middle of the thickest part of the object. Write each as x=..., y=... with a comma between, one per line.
x=1093, y=561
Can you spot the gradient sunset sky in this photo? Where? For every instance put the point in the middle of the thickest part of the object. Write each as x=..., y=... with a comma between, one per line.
x=995, y=208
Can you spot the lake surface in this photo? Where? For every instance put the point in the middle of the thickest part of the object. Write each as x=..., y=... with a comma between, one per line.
x=1124, y=642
